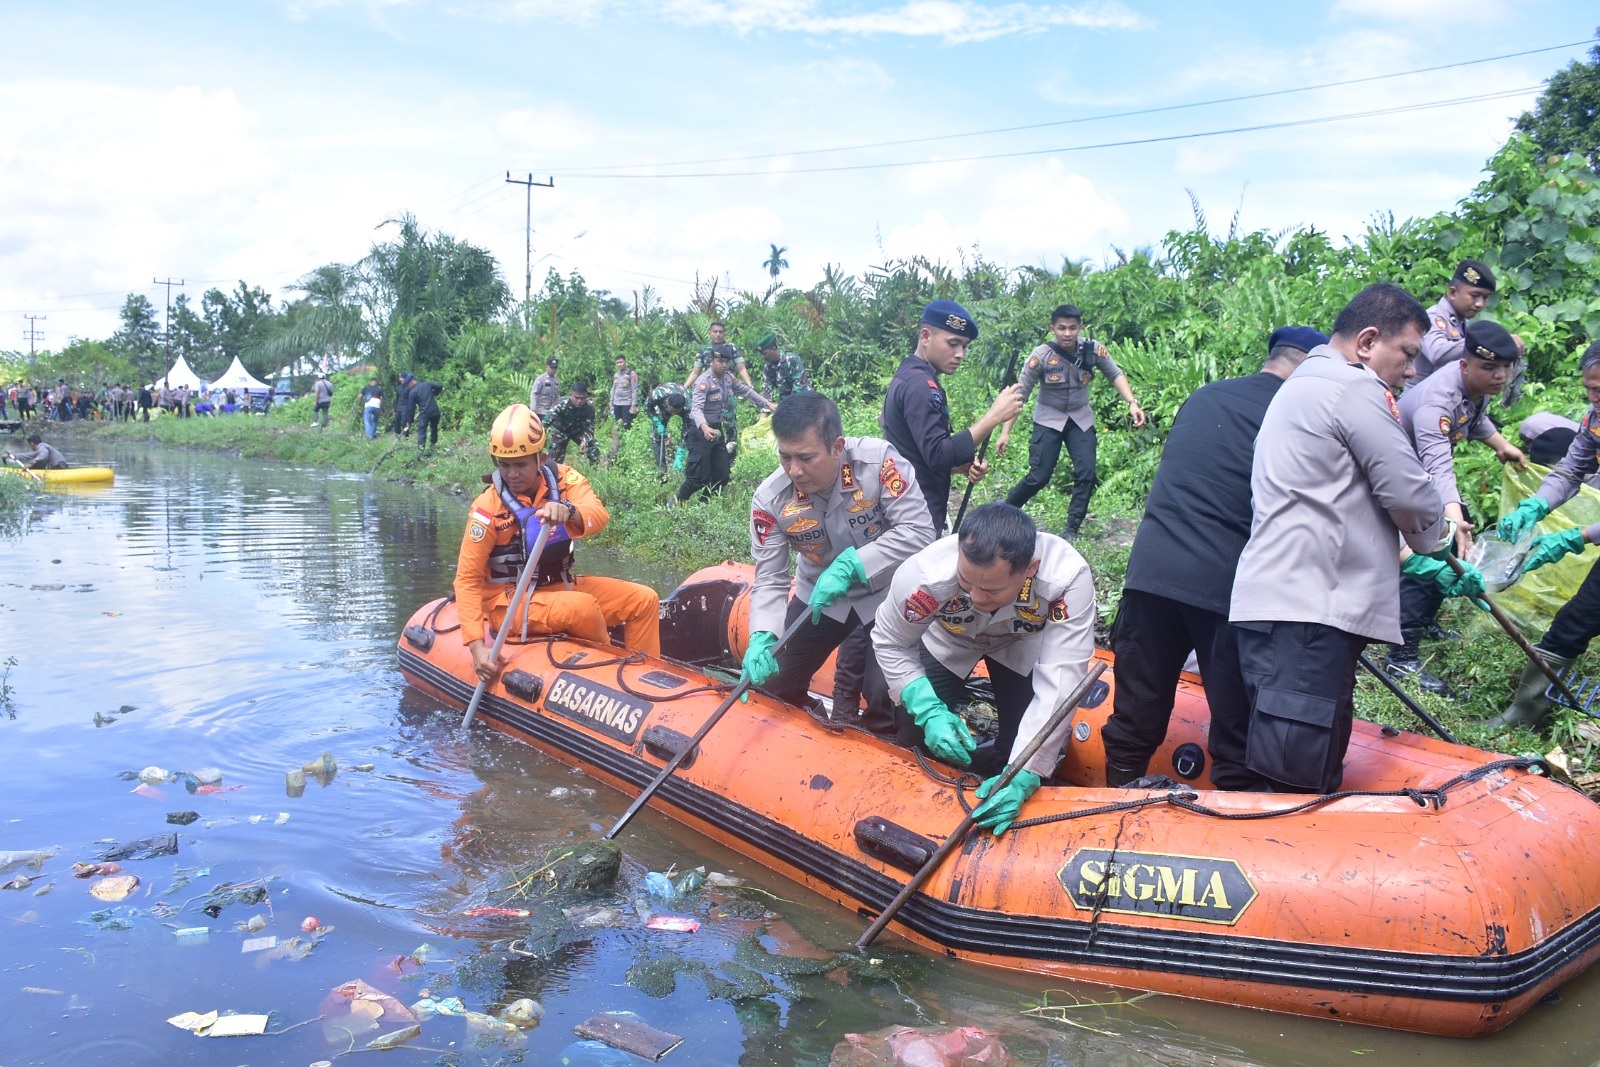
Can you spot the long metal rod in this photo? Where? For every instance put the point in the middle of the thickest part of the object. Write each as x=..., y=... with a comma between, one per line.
x=1062, y=715
x=1405, y=698
x=528, y=570
x=1522, y=642
x=699, y=735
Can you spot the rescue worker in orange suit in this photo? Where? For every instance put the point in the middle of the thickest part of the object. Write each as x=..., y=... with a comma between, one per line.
x=527, y=491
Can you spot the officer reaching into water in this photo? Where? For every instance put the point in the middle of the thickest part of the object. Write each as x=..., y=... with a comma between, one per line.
x=1180, y=572
x=850, y=508
x=1336, y=487
x=1063, y=367
x=1578, y=621
x=710, y=461
x=1020, y=600
x=526, y=491
x=916, y=412
x=1450, y=407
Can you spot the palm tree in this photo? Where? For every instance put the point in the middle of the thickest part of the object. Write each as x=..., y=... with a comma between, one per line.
x=776, y=263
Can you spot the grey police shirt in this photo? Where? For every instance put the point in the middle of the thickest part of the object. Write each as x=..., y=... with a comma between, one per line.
x=875, y=506
x=1335, y=485
x=1047, y=632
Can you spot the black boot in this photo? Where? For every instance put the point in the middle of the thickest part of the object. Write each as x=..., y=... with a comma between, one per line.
x=1439, y=633
x=1119, y=775
x=1405, y=661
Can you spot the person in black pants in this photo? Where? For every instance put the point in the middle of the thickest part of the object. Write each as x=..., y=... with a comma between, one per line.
x=1180, y=572
x=425, y=398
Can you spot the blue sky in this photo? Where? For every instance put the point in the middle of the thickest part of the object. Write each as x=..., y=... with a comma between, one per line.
x=259, y=140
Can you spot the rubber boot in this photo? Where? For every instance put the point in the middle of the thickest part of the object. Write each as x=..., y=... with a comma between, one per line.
x=1119, y=775
x=1405, y=661
x=1529, y=706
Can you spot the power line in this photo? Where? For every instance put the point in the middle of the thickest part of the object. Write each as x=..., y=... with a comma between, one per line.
x=1066, y=149
x=33, y=331
x=592, y=171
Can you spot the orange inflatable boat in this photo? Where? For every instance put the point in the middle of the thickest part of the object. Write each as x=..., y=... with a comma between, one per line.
x=1445, y=891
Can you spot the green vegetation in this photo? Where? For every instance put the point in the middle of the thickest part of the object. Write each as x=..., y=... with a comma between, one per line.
x=1196, y=308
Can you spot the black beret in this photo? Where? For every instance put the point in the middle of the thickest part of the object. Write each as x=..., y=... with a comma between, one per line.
x=1474, y=272
x=1302, y=337
x=553, y=363
x=949, y=315
x=1490, y=340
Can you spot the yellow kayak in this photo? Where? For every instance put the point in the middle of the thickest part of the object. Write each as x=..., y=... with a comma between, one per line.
x=68, y=476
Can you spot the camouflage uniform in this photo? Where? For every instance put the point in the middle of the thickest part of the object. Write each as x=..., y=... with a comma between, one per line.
x=568, y=422
x=786, y=375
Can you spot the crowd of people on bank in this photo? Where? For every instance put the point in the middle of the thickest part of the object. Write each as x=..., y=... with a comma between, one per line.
x=22, y=401
x=1298, y=515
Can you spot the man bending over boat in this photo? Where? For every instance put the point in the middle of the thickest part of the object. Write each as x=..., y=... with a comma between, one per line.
x=851, y=509
x=1020, y=600
x=526, y=491
x=44, y=457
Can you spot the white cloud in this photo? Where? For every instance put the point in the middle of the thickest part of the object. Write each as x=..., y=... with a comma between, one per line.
x=1038, y=212
x=950, y=21
x=1423, y=10
x=835, y=75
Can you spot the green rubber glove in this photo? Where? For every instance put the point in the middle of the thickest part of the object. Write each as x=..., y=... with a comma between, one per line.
x=1428, y=569
x=759, y=662
x=678, y=459
x=942, y=729
x=998, y=812
x=1469, y=584
x=845, y=571
x=1547, y=548
x=1514, y=526
x=659, y=426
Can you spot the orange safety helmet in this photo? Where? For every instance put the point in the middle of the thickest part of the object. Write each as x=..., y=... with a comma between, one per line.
x=517, y=431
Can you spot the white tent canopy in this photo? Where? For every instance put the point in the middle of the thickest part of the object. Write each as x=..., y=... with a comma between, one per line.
x=236, y=377
x=180, y=374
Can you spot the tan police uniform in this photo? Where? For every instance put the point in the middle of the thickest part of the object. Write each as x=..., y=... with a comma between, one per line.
x=1445, y=342
x=875, y=506
x=1037, y=648
x=1336, y=486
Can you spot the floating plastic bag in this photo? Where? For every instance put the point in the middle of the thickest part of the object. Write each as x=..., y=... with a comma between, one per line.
x=907, y=1046
x=1534, y=600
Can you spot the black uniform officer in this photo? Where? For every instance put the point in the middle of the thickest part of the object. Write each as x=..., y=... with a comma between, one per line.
x=916, y=413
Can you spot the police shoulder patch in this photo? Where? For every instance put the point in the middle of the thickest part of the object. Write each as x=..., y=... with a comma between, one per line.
x=1444, y=424
x=920, y=605
x=1033, y=362
x=1394, y=409
x=476, y=531
x=1058, y=609
x=1438, y=320
x=891, y=479
x=762, y=522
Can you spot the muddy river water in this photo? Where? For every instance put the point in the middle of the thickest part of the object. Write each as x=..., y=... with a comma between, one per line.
x=211, y=612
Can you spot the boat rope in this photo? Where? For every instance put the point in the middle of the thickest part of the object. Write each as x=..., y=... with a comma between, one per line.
x=578, y=663
x=1187, y=798
x=433, y=617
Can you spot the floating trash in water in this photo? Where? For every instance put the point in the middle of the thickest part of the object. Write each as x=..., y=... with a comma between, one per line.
x=525, y=1013
x=95, y=870
x=146, y=848
x=258, y=944
x=659, y=886
x=674, y=923
x=395, y=1038
x=690, y=881
x=294, y=783
x=309, y=923
x=152, y=776
x=115, y=888
x=31, y=857
x=906, y=1046
x=626, y=1031
x=509, y=913
x=182, y=818
x=193, y=935
x=428, y=1007
x=20, y=881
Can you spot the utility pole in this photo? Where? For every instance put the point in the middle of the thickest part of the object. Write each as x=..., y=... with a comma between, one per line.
x=527, y=281
x=33, y=332
x=166, y=330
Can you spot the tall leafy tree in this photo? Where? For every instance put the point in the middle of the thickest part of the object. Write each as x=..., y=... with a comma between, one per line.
x=139, y=339
x=775, y=264
x=1566, y=117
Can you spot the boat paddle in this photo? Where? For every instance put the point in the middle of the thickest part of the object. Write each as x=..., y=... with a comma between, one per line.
x=528, y=570
x=35, y=475
x=699, y=735
x=1405, y=698
x=1062, y=716
x=1522, y=642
